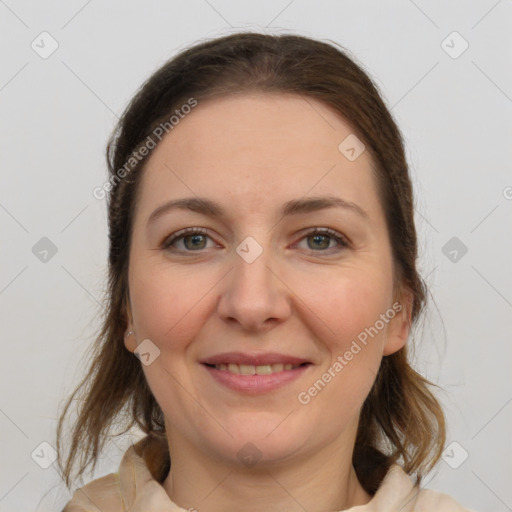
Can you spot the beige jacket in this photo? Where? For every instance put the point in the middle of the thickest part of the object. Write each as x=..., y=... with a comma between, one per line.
x=136, y=487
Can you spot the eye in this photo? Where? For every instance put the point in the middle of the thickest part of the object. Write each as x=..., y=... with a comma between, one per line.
x=193, y=238
x=321, y=239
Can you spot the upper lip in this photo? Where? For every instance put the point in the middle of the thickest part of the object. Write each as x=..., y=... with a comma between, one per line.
x=253, y=359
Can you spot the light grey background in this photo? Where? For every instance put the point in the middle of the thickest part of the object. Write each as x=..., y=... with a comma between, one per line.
x=57, y=112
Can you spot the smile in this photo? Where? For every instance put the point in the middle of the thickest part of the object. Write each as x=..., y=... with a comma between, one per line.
x=255, y=379
x=249, y=369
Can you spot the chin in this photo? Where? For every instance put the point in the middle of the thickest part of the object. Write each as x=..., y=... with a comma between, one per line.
x=256, y=442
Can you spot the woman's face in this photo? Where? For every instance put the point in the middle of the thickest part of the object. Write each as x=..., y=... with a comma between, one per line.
x=257, y=287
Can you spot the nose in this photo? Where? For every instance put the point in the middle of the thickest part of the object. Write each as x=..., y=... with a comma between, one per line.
x=254, y=295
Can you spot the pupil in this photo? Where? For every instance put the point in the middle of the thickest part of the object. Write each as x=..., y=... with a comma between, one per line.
x=317, y=237
x=195, y=238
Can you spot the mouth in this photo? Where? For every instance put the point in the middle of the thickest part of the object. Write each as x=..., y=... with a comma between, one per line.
x=249, y=369
x=253, y=382
x=255, y=373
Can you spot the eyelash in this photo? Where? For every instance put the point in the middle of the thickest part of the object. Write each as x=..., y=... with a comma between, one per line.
x=341, y=240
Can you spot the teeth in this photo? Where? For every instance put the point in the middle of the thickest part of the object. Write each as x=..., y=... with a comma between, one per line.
x=249, y=369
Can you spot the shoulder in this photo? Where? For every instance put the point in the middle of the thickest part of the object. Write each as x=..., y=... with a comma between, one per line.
x=429, y=500
x=143, y=466
x=397, y=492
x=97, y=496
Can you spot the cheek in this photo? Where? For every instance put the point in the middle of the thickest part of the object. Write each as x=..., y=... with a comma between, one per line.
x=169, y=309
x=163, y=304
x=347, y=306
x=348, y=322
x=349, y=310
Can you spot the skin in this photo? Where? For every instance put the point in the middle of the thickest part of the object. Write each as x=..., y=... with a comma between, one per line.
x=251, y=153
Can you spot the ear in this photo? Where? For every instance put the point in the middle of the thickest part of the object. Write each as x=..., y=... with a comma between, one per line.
x=399, y=326
x=130, y=342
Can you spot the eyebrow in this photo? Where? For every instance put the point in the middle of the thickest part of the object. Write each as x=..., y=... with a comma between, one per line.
x=210, y=208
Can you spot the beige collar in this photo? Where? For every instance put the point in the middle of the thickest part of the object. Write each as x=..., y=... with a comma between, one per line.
x=145, y=466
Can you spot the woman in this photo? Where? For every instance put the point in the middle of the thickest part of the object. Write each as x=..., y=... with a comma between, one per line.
x=262, y=271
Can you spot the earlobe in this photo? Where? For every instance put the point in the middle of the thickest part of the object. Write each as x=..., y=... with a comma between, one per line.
x=129, y=341
x=399, y=327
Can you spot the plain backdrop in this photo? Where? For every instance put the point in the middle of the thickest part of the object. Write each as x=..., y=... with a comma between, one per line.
x=68, y=71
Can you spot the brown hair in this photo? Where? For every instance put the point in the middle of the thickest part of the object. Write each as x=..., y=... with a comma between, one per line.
x=401, y=421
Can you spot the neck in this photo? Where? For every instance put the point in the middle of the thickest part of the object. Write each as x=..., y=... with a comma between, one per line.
x=324, y=480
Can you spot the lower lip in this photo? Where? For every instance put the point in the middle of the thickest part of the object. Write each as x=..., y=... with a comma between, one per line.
x=254, y=384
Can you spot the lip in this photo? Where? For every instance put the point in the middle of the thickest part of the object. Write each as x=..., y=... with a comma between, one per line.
x=256, y=384
x=254, y=359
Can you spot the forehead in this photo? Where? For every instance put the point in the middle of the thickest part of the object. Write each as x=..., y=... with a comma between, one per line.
x=257, y=149
x=263, y=125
